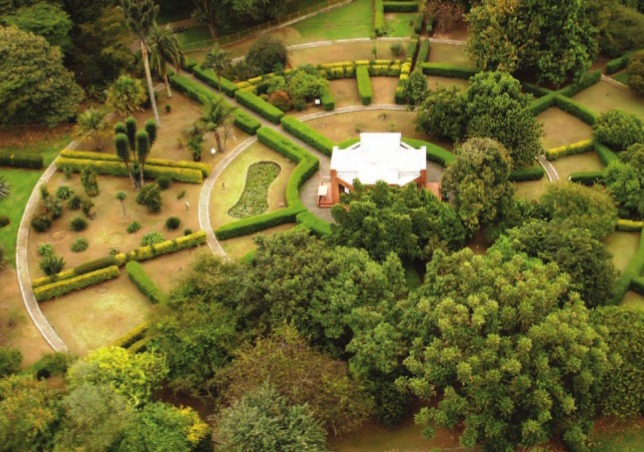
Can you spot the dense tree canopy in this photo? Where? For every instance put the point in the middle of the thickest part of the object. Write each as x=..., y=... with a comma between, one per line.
x=34, y=85
x=47, y=20
x=625, y=180
x=619, y=130
x=550, y=41
x=443, y=114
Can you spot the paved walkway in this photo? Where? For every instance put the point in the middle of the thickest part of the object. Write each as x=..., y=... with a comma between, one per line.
x=552, y=173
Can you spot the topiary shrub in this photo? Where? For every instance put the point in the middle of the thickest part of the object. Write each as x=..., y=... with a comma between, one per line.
x=618, y=130
x=89, y=181
x=4, y=221
x=150, y=196
x=80, y=245
x=172, y=223
x=86, y=207
x=78, y=224
x=164, y=182
x=51, y=264
x=64, y=192
x=152, y=238
x=133, y=227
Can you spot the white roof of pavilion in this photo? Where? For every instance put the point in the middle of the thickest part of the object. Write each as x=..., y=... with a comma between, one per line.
x=379, y=156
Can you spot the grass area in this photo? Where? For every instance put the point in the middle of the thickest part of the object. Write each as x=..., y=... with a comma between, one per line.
x=532, y=189
x=350, y=21
x=626, y=436
x=623, y=246
x=603, y=96
x=253, y=200
x=622, y=77
x=561, y=128
x=400, y=25
x=449, y=53
x=345, y=51
x=22, y=183
x=633, y=300
x=574, y=163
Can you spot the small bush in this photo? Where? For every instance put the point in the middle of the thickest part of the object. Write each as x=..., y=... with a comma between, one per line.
x=266, y=53
x=51, y=364
x=281, y=100
x=168, y=108
x=397, y=50
x=164, y=182
x=150, y=196
x=172, y=223
x=10, y=360
x=618, y=130
x=78, y=224
x=64, y=192
x=41, y=223
x=45, y=249
x=187, y=231
x=133, y=227
x=52, y=264
x=152, y=238
x=74, y=202
x=80, y=245
x=4, y=221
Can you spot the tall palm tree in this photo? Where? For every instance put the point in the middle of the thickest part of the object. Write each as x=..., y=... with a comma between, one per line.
x=164, y=48
x=140, y=16
x=218, y=60
x=214, y=116
x=92, y=122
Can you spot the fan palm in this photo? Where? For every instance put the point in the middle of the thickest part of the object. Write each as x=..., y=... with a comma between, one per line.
x=92, y=122
x=164, y=48
x=214, y=116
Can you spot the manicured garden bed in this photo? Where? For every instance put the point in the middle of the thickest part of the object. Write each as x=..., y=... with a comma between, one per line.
x=253, y=200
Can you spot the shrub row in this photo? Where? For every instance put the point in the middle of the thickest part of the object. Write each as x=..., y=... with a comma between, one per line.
x=632, y=271
x=308, y=134
x=625, y=225
x=411, y=50
x=586, y=81
x=142, y=281
x=572, y=149
x=259, y=106
x=526, y=174
x=418, y=24
x=568, y=105
x=338, y=72
x=89, y=155
x=380, y=70
x=135, y=334
x=435, y=153
x=81, y=269
x=587, y=177
x=364, y=85
x=112, y=168
x=327, y=100
x=208, y=76
x=423, y=53
x=58, y=288
x=448, y=70
x=188, y=65
x=379, y=27
x=535, y=90
x=246, y=122
x=541, y=104
x=605, y=154
x=257, y=223
x=618, y=64
x=314, y=223
x=400, y=7
x=20, y=159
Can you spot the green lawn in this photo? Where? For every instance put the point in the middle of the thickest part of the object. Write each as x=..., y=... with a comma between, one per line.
x=622, y=77
x=350, y=21
x=400, y=25
x=22, y=184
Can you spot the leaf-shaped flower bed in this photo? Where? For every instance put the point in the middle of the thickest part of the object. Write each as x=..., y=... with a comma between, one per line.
x=253, y=200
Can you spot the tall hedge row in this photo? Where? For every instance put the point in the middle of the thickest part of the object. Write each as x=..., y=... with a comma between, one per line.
x=257, y=223
x=142, y=281
x=541, y=104
x=423, y=53
x=364, y=85
x=605, y=154
x=308, y=134
x=587, y=177
x=58, y=288
x=259, y=106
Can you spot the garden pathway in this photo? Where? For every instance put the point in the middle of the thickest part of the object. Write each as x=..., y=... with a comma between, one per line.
x=552, y=173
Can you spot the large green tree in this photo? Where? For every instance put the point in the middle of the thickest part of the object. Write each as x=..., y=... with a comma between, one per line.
x=47, y=20
x=505, y=350
x=34, y=85
x=443, y=114
x=625, y=180
x=549, y=41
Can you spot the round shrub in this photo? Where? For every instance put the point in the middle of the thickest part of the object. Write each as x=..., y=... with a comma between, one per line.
x=187, y=231
x=266, y=54
x=618, y=130
x=52, y=264
x=150, y=196
x=152, y=238
x=4, y=220
x=74, y=202
x=78, y=224
x=397, y=50
x=133, y=227
x=45, y=248
x=64, y=192
x=636, y=72
x=41, y=223
x=80, y=245
x=168, y=108
x=164, y=182
x=172, y=223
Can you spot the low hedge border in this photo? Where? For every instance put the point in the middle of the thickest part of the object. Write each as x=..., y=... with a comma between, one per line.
x=605, y=154
x=139, y=346
x=259, y=106
x=142, y=281
x=307, y=134
x=257, y=223
x=210, y=77
x=570, y=106
x=327, y=100
x=626, y=225
x=20, y=159
x=58, y=288
x=132, y=336
x=587, y=80
x=527, y=174
x=400, y=7
x=580, y=147
x=90, y=155
x=587, y=177
x=143, y=253
x=364, y=85
x=423, y=53
x=379, y=26
x=632, y=271
x=113, y=168
x=314, y=223
x=448, y=70
x=617, y=64
x=541, y=104
x=535, y=90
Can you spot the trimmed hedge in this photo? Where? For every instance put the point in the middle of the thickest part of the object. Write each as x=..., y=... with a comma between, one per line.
x=411, y=50
x=571, y=149
x=418, y=24
x=540, y=105
x=423, y=53
x=637, y=285
x=314, y=223
x=605, y=154
x=400, y=7
x=208, y=76
x=258, y=223
x=188, y=65
x=142, y=281
x=132, y=336
x=259, y=106
x=81, y=269
x=307, y=134
x=533, y=173
x=246, y=122
x=587, y=177
x=586, y=81
x=568, y=105
x=89, y=155
x=620, y=63
x=535, y=90
x=58, y=288
x=111, y=168
x=625, y=225
x=379, y=27
x=435, y=153
x=20, y=159
x=364, y=85
x=448, y=70
x=632, y=271
x=327, y=100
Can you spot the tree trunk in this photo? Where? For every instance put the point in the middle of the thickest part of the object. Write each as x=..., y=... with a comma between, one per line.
x=141, y=168
x=213, y=29
x=148, y=76
x=218, y=138
x=129, y=171
x=167, y=85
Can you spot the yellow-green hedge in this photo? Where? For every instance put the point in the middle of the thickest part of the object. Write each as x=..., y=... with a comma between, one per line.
x=132, y=336
x=58, y=288
x=571, y=149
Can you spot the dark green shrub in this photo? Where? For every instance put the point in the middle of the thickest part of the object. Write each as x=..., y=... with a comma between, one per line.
x=51, y=264
x=308, y=134
x=172, y=223
x=259, y=106
x=4, y=221
x=164, y=182
x=397, y=50
x=74, y=202
x=78, y=224
x=86, y=207
x=618, y=130
x=150, y=196
x=142, y=281
x=187, y=231
x=10, y=360
x=41, y=223
x=51, y=364
x=636, y=72
x=64, y=192
x=133, y=227
x=168, y=108
x=364, y=85
x=212, y=79
x=89, y=181
x=266, y=53
x=152, y=238
x=94, y=265
x=423, y=53
x=80, y=245
x=20, y=159
x=45, y=249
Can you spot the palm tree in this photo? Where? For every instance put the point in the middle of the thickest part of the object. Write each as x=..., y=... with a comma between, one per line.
x=125, y=95
x=165, y=47
x=218, y=60
x=92, y=122
x=140, y=16
x=214, y=116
